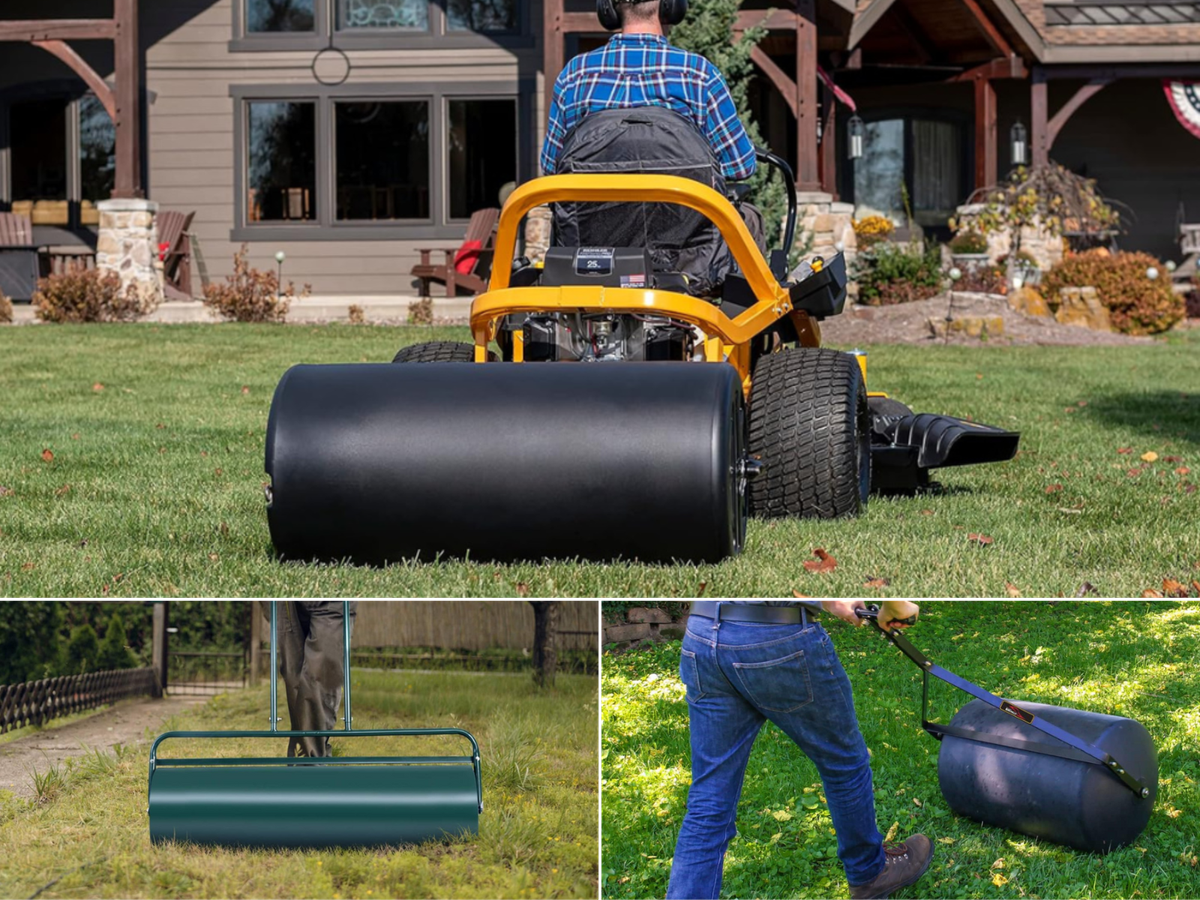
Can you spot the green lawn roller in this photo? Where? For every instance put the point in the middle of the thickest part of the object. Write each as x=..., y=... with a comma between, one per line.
x=1082, y=779
x=314, y=802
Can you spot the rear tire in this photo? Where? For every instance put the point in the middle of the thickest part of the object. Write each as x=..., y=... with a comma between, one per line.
x=436, y=351
x=887, y=407
x=811, y=429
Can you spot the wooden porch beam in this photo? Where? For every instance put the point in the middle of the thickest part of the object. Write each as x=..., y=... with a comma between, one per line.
x=1039, y=115
x=985, y=133
x=910, y=28
x=552, y=50
x=772, y=19
x=79, y=65
x=1008, y=67
x=808, y=177
x=785, y=85
x=1080, y=97
x=989, y=29
x=30, y=30
x=128, y=175
x=828, y=146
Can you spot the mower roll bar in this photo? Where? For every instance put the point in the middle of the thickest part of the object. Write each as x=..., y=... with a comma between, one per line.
x=789, y=182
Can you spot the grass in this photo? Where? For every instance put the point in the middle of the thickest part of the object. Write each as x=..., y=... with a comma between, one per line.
x=155, y=482
x=537, y=835
x=1136, y=659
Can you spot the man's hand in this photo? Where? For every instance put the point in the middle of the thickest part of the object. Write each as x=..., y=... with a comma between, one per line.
x=897, y=613
x=844, y=610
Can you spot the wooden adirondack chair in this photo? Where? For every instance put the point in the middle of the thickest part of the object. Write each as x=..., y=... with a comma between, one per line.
x=18, y=257
x=481, y=228
x=177, y=257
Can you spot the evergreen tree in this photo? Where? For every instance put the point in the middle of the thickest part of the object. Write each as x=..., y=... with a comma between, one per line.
x=82, y=651
x=708, y=30
x=29, y=640
x=114, y=653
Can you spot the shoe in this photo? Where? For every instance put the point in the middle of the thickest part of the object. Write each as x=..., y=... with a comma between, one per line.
x=904, y=864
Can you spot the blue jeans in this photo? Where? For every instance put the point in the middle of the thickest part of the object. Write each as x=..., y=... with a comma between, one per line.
x=738, y=676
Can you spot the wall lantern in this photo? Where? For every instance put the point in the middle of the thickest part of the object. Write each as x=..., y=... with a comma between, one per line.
x=855, y=130
x=1020, y=144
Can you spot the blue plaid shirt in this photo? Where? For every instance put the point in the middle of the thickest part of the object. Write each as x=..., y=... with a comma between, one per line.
x=635, y=70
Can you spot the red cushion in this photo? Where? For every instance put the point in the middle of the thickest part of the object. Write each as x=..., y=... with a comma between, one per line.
x=467, y=256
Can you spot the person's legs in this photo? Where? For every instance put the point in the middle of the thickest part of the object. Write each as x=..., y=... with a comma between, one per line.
x=723, y=727
x=291, y=636
x=322, y=676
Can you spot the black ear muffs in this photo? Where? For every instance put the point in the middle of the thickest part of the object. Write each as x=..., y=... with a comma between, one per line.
x=671, y=12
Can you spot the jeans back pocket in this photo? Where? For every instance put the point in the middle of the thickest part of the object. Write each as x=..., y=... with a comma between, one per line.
x=689, y=674
x=777, y=685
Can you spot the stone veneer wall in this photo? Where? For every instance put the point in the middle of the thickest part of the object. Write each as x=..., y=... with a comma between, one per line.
x=825, y=228
x=128, y=246
x=644, y=623
x=1045, y=248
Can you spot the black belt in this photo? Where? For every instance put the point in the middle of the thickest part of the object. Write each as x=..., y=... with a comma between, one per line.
x=752, y=612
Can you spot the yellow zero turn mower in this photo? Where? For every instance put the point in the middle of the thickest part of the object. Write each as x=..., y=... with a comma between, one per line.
x=678, y=417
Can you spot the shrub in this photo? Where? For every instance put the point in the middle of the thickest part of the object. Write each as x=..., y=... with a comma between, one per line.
x=420, y=312
x=871, y=230
x=6, y=310
x=114, y=651
x=969, y=241
x=1136, y=304
x=82, y=651
x=1050, y=197
x=898, y=273
x=983, y=280
x=251, y=295
x=87, y=296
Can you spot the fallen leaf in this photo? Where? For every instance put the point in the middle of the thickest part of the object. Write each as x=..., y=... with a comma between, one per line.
x=160, y=425
x=1124, y=450
x=1086, y=588
x=917, y=802
x=1183, y=470
x=75, y=437
x=945, y=840
x=223, y=528
x=891, y=835
x=213, y=557
x=998, y=864
x=800, y=596
x=876, y=582
x=1011, y=589
x=981, y=539
x=25, y=567
x=1196, y=587
x=62, y=490
x=1081, y=404
x=204, y=453
x=220, y=472
x=1173, y=588
x=927, y=512
x=6, y=491
x=1149, y=456
x=83, y=543
x=48, y=455
x=522, y=589
x=1133, y=473
x=97, y=387
x=1172, y=459
x=999, y=880
x=1150, y=592
x=496, y=575
x=700, y=589
x=245, y=388
x=1053, y=488
x=823, y=562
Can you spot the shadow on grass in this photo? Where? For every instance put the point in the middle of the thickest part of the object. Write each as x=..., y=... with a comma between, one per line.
x=1170, y=411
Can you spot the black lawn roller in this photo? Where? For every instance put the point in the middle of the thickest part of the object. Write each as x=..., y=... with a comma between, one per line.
x=1082, y=779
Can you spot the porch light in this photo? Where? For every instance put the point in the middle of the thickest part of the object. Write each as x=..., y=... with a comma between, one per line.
x=855, y=130
x=1020, y=144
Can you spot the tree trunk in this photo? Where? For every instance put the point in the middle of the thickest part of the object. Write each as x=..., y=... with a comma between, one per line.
x=545, y=641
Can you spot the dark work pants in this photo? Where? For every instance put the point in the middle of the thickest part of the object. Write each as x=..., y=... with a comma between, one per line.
x=311, y=651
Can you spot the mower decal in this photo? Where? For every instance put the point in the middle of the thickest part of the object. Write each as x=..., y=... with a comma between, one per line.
x=1017, y=712
x=634, y=281
x=594, y=261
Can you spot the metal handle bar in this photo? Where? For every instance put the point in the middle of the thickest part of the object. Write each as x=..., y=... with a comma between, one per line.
x=789, y=183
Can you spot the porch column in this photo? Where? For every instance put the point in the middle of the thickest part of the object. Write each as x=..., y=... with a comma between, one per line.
x=829, y=142
x=1039, y=114
x=808, y=176
x=985, y=132
x=128, y=176
x=552, y=50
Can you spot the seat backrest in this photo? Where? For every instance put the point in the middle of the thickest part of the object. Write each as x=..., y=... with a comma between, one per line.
x=482, y=227
x=15, y=230
x=651, y=140
x=171, y=227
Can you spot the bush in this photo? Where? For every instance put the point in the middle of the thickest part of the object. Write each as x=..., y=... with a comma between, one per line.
x=872, y=230
x=1136, y=304
x=251, y=295
x=420, y=312
x=983, y=280
x=1193, y=299
x=968, y=241
x=83, y=651
x=898, y=273
x=87, y=296
x=6, y=310
x=114, y=651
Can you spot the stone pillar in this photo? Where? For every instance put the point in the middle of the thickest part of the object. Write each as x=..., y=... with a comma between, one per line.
x=537, y=233
x=1043, y=245
x=128, y=246
x=825, y=228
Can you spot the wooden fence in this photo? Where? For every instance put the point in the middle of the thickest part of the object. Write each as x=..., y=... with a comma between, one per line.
x=37, y=702
x=470, y=624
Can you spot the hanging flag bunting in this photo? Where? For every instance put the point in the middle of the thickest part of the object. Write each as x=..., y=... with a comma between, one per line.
x=1184, y=97
x=842, y=96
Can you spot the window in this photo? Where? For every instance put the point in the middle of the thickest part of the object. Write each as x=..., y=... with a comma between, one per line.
x=382, y=160
x=917, y=154
x=360, y=163
x=281, y=181
x=481, y=153
x=279, y=15
x=97, y=151
x=484, y=16
x=408, y=14
x=38, y=132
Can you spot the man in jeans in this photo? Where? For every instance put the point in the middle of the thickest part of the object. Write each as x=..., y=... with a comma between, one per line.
x=745, y=663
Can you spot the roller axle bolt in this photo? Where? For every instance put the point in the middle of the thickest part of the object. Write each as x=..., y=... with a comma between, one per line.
x=1145, y=792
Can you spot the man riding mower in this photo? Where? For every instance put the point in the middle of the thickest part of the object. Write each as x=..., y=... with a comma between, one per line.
x=633, y=397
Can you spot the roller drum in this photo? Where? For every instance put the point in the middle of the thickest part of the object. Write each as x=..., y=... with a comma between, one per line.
x=502, y=461
x=312, y=806
x=1066, y=801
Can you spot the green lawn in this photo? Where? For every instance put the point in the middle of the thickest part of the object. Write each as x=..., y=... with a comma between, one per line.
x=1136, y=659
x=155, y=484
x=537, y=835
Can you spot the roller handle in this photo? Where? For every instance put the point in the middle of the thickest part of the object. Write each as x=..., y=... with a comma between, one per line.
x=872, y=613
x=275, y=664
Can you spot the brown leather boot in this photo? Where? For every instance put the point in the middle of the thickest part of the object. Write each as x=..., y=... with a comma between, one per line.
x=904, y=864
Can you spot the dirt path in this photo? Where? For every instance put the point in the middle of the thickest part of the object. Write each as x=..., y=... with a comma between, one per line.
x=124, y=723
